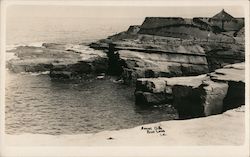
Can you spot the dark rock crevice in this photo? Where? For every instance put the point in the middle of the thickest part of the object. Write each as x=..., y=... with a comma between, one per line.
x=187, y=101
x=235, y=96
x=115, y=64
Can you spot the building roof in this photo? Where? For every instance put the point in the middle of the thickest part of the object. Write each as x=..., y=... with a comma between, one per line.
x=223, y=16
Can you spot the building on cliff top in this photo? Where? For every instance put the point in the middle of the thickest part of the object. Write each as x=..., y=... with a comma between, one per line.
x=226, y=21
x=223, y=16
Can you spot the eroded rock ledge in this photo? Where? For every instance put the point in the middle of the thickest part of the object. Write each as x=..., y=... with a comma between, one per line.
x=61, y=60
x=196, y=96
x=149, y=56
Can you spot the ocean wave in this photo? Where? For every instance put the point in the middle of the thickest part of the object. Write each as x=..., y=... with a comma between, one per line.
x=36, y=73
x=14, y=46
x=10, y=56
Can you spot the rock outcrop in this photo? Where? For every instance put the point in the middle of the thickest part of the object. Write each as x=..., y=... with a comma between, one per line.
x=176, y=61
x=62, y=60
x=175, y=46
x=195, y=96
x=36, y=59
x=221, y=54
x=78, y=69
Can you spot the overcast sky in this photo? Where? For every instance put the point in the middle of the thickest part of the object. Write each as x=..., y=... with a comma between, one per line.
x=118, y=12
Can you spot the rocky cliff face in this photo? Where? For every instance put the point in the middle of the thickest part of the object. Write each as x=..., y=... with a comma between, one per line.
x=177, y=61
x=170, y=47
x=196, y=96
x=154, y=56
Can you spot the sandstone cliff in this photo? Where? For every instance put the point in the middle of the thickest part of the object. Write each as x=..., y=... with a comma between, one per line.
x=175, y=46
x=196, y=96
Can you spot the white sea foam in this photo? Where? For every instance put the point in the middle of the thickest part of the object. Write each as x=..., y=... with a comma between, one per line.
x=35, y=73
x=39, y=73
x=85, y=51
x=10, y=55
x=36, y=44
x=14, y=46
x=11, y=48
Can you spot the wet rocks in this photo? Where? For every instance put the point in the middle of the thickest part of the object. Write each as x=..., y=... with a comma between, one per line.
x=37, y=59
x=62, y=60
x=29, y=65
x=78, y=69
x=195, y=96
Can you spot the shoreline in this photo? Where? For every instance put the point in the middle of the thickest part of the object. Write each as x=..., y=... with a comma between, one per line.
x=177, y=133
x=162, y=49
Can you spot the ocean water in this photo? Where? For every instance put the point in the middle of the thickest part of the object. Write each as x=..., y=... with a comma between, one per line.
x=37, y=104
x=63, y=30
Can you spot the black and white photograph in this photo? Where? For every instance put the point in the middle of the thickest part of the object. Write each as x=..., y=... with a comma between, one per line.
x=115, y=74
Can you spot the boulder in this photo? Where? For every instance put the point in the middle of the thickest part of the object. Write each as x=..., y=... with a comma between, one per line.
x=205, y=100
x=213, y=95
x=163, y=87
